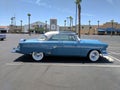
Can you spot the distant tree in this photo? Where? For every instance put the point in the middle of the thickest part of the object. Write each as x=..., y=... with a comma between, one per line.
x=46, y=25
x=11, y=20
x=40, y=30
x=65, y=24
x=29, y=23
x=71, y=22
x=82, y=27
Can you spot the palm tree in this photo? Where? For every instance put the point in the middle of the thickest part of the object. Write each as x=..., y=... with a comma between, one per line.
x=11, y=20
x=89, y=27
x=29, y=22
x=76, y=19
x=21, y=24
x=71, y=22
x=79, y=16
x=65, y=24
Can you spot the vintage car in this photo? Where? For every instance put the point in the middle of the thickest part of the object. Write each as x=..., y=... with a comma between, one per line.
x=61, y=43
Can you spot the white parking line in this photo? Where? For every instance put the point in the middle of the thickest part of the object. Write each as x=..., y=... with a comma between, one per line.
x=14, y=63
x=115, y=58
x=65, y=65
x=109, y=58
x=114, y=53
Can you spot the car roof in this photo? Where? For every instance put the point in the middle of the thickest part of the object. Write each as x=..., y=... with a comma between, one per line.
x=59, y=32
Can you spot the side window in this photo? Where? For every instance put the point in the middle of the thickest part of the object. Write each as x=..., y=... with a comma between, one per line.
x=62, y=37
x=72, y=38
x=65, y=37
x=54, y=38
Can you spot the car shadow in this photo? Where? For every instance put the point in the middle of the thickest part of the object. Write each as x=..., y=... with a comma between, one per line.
x=56, y=59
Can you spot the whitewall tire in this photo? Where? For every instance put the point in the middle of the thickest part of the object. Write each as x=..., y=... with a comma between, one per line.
x=37, y=56
x=94, y=55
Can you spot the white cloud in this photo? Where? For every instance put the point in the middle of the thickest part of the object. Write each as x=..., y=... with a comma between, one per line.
x=42, y=3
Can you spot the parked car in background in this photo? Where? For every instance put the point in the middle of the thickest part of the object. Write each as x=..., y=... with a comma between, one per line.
x=61, y=43
x=2, y=36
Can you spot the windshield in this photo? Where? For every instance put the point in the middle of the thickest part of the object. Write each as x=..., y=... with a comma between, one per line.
x=55, y=35
x=77, y=37
x=42, y=37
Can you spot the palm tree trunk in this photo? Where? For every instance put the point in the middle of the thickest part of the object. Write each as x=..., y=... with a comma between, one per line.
x=79, y=20
x=72, y=24
x=29, y=25
x=76, y=19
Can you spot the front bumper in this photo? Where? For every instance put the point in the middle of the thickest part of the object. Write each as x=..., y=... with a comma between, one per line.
x=15, y=50
x=104, y=53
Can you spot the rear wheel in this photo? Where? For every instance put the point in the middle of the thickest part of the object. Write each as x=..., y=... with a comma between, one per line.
x=94, y=55
x=1, y=39
x=37, y=56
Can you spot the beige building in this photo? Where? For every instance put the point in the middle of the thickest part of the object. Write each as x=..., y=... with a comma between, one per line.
x=15, y=29
x=92, y=29
x=85, y=29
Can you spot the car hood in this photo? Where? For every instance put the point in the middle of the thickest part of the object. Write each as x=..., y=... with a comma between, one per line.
x=29, y=40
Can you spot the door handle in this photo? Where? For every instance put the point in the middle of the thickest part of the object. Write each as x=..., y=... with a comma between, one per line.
x=54, y=47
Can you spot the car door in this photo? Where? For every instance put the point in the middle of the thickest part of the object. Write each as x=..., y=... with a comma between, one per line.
x=69, y=46
x=54, y=45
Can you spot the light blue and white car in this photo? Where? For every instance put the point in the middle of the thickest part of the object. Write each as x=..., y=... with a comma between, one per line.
x=61, y=43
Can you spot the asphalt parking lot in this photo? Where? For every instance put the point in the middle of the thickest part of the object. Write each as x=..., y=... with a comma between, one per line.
x=20, y=72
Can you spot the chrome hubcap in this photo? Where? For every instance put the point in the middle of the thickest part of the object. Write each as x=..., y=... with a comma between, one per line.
x=37, y=56
x=94, y=55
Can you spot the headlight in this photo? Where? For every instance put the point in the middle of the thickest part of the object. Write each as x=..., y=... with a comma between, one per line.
x=22, y=40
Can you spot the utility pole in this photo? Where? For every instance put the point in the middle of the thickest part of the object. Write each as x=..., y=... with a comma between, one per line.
x=112, y=21
x=21, y=25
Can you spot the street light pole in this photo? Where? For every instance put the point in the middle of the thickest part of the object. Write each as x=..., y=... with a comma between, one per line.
x=89, y=27
x=112, y=21
x=29, y=23
x=98, y=23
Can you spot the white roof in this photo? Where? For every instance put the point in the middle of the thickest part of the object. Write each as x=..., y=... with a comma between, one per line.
x=51, y=33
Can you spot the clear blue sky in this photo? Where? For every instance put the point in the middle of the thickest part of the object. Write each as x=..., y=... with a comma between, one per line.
x=42, y=10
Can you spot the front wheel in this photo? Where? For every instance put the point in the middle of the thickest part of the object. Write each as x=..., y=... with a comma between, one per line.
x=37, y=56
x=94, y=55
